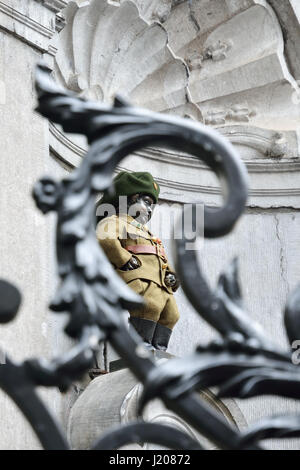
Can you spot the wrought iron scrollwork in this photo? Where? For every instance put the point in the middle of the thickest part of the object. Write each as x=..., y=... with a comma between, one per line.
x=243, y=363
x=146, y=432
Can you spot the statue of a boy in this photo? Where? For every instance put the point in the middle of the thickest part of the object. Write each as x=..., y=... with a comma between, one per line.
x=139, y=257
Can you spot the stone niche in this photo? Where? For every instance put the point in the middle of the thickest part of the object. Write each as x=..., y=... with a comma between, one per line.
x=221, y=63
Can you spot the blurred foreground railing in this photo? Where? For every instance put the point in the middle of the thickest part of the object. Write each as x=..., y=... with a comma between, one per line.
x=242, y=363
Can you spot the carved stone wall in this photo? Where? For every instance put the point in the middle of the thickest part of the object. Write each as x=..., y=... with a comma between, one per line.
x=233, y=64
x=222, y=63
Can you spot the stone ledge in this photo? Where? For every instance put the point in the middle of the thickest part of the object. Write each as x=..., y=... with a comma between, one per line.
x=35, y=26
x=54, y=5
x=120, y=364
x=274, y=181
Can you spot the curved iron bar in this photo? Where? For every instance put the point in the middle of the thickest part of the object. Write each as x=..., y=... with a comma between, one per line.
x=123, y=129
x=94, y=296
x=241, y=368
x=19, y=381
x=292, y=315
x=90, y=290
x=19, y=386
x=243, y=363
x=276, y=427
x=10, y=301
x=153, y=433
x=237, y=374
x=63, y=371
x=15, y=383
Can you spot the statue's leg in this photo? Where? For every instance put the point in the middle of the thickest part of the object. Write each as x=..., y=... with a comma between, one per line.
x=168, y=318
x=144, y=319
x=145, y=329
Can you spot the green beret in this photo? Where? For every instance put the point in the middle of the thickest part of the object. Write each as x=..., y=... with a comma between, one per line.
x=127, y=184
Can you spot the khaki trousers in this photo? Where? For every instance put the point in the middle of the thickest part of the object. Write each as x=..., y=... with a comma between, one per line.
x=160, y=306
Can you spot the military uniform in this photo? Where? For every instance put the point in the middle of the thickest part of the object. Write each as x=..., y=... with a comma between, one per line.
x=121, y=237
x=139, y=258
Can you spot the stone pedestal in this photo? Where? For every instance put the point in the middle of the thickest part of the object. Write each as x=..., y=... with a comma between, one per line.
x=112, y=399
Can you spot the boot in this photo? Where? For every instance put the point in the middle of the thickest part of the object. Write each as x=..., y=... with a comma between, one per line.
x=145, y=328
x=161, y=337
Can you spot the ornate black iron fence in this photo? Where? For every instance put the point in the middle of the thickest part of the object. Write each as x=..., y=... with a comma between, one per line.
x=242, y=363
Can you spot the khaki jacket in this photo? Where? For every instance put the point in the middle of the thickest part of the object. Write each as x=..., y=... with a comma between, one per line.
x=115, y=233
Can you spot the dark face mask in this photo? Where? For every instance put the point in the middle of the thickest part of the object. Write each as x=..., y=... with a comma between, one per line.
x=140, y=207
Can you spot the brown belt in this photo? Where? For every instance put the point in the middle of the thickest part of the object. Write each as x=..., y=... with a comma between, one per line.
x=147, y=249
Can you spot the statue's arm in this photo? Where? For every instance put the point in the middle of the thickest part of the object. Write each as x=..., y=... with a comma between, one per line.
x=109, y=232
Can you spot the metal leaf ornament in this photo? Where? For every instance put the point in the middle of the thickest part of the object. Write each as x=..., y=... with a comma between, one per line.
x=10, y=300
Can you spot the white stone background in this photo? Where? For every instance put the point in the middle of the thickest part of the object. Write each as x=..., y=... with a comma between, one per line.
x=266, y=239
